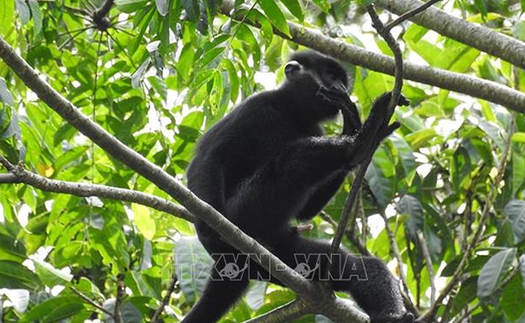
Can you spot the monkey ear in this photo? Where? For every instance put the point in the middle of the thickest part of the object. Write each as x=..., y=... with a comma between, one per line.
x=292, y=69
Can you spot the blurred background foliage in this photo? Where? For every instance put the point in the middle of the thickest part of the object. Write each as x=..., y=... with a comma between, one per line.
x=157, y=74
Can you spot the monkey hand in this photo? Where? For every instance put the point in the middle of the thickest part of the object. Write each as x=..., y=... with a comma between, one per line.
x=377, y=127
x=341, y=100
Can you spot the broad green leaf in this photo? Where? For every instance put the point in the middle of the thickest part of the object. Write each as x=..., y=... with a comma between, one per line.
x=421, y=138
x=518, y=172
x=54, y=309
x=494, y=271
x=515, y=210
x=192, y=265
x=513, y=298
x=135, y=280
x=162, y=7
x=255, y=295
x=49, y=275
x=16, y=276
x=406, y=155
x=295, y=8
x=505, y=237
x=5, y=95
x=325, y=4
x=466, y=294
x=276, y=16
x=410, y=205
x=234, y=80
x=145, y=223
x=23, y=10
x=130, y=6
x=7, y=15
x=380, y=176
x=518, y=137
x=36, y=13
x=128, y=312
x=11, y=249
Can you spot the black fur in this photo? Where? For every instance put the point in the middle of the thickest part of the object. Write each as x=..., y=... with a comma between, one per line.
x=268, y=162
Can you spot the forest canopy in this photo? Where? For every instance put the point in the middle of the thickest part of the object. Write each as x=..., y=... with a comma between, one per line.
x=102, y=103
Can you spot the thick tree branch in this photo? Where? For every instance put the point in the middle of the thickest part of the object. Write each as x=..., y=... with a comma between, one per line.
x=284, y=313
x=312, y=293
x=476, y=36
x=483, y=89
x=19, y=175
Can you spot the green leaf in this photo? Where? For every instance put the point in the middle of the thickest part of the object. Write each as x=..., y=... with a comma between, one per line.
x=234, y=80
x=54, y=309
x=410, y=205
x=192, y=9
x=7, y=15
x=513, y=298
x=49, y=275
x=162, y=7
x=505, y=237
x=23, y=11
x=420, y=138
x=145, y=223
x=518, y=137
x=494, y=271
x=128, y=312
x=380, y=176
x=16, y=276
x=325, y=4
x=36, y=13
x=466, y=294
x=295, y=8
x=5, y=95
x=276, y=16
x=255, y=295
x=515, y=210
x=130, y=6
x=192, y=264
x=518, y=172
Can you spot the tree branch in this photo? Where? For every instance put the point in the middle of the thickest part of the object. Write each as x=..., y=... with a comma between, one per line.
x=285, y=313
x=165, y=300
x=470, y=85
x=476, y=36
x=20, y=175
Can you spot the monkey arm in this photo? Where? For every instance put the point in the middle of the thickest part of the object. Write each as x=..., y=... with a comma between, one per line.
x=321, y=196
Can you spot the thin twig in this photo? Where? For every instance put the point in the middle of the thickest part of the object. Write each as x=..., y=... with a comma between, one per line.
x=394, y=248
x=428, y=261
x=466, y=314
x=410, y=14
x=90, y=302
x=350, y=234
x=121, y=292
x=165, y=300
x=398, y=56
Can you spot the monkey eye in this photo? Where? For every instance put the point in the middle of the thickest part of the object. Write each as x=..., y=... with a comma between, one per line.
x=291, y=69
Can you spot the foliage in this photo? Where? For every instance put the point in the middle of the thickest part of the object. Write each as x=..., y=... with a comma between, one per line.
x=163, y=73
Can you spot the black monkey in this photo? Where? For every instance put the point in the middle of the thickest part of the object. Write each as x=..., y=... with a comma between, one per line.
x=268, y=162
